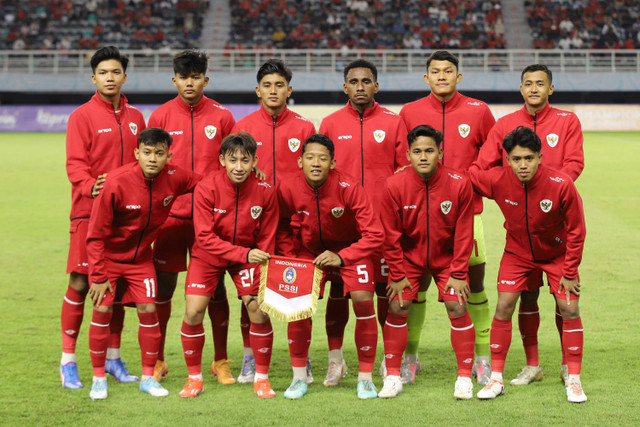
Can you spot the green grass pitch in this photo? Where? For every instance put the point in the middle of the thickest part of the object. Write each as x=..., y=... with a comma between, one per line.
x=34, y=203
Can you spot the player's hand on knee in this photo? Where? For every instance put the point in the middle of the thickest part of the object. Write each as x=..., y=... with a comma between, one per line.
x=256, y=256
x=328, y=259
x=460, y=287
x=396, y=288
x=98, y=292
x=570, y=286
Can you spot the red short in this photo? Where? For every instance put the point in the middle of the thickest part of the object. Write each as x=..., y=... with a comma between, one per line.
x=415, y=276
x=137, y=283
x=174, y=241
x=518, y=275
x=203, y=278
x=357, y=277
x=380, y=268
x=77, y=260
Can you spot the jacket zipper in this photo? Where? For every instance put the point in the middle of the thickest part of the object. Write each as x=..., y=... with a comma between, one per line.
x=427, y=210
x=319, y=223
x=526, y=217
x=274, y=151
x=120, y=130
x=235, y=222
x=443, y=132
x=148, y=221
x=192, y=157
x=361, y=148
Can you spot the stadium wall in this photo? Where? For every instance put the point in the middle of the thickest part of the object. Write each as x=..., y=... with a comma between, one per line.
x=53, y=118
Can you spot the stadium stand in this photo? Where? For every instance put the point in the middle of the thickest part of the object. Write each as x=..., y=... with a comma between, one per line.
x=80, y=24
x=584, y=24
x=373, y=24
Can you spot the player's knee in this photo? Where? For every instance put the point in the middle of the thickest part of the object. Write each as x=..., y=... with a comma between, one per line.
x=193, y=316
x=395, y=307
x=454, y=309
x=79, y=282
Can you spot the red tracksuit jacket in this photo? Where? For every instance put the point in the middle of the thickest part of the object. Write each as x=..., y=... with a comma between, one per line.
x=337, y=216
x=559, y=131
x=464, y=122
x=128, y=213
x=99, y=140
x=428, y=223
x=369, y=148
x=544, y=218
x=279, y=141
x=197, y=133
x=230, y=219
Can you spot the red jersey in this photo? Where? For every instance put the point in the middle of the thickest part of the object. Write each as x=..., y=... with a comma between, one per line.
x=337, y=217
x=99, y=139
x=370, y=147
x=559, y=131
x=197, y=133
x=464, y=122
x=428, y=223
x=230, y=219
x=544, y=217
x=279, y=141
x=128, y=213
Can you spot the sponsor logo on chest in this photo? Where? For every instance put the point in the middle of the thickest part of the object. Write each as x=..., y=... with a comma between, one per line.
x=133, y=207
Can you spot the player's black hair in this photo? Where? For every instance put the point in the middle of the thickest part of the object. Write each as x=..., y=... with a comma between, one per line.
x=442, y=55
x=190, y=61
x=318, y=138
x=154, y=137
x=361, y=63
x=274, y=66
x=524, y=137
x=537, y=67
x=106, y=53
x=424, y=130
x=239, y=141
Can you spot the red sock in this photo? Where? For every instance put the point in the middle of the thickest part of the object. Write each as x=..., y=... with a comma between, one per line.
x=244, y=326
x=71, y=318
x=163, y=308
x=366, y=334
x=336, y=318
x=559, y=323
x=262, y=345
x=528, y=323
x=149, y=339
x=192, y=337
x=395, y=336
x=382, y=308
x=116, y=325
x=500, y=341
x=463, y=340
x=299, y=335
x=219, y=314
x=98, y=340
x=572, y=341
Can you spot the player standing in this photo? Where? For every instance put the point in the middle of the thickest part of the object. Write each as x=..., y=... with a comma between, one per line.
x=235, y=220
x=561, y=134
x=550, y=239
x=369, y=146
x=427, y=214
x=465, y=123
x=339, y=230
x=198, y=125
x=125, y=219
x=101, y=136
x=279, y=133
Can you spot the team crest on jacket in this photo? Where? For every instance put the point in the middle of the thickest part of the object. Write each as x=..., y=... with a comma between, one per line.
x=464, y=130
x=379, y=135
x=167, y=200
x=337, y=211
x=446, y=206
x=256, y=211
x=294, y=144
x=552, y=140
x=133, y=127
x=210, y=131
x=545, y=205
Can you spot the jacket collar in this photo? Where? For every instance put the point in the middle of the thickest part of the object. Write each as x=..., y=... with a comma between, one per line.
x=199, y=106
x=108, y=105
x=367, y=113
x=431, y=181
x=540, y=115
x=264, y=114
x=448, y=105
